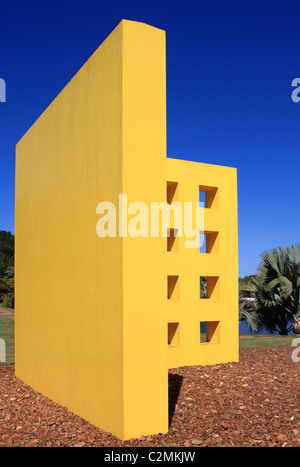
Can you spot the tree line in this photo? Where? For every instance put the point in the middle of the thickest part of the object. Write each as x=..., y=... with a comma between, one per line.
x=7, y=250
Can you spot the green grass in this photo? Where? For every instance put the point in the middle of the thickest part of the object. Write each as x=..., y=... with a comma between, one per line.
x=7, y=334
x=249, y=341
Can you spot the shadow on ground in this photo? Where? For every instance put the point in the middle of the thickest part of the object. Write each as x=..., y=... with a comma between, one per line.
x=175, y=383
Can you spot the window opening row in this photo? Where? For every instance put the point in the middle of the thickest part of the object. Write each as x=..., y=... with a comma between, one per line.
x=208, y=195
x=209, y=287
x=208, y=242
x=209, y=332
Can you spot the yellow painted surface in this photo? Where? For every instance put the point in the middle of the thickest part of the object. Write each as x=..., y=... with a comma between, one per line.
x=220, y=266
x=100, y=320
x=69, y=324
x=144, y=146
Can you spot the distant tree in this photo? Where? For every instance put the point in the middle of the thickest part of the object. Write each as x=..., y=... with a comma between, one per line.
x=7, y=291
x=6, y=268
x=7, y=250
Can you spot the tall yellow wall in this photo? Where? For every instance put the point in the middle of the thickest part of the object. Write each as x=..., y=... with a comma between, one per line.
x=82, y=307
x=144, y=265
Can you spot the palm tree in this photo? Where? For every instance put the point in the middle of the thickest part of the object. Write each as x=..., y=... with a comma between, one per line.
x=203, y=287
x=247, y=304
x=248, y=313
x=276, y=288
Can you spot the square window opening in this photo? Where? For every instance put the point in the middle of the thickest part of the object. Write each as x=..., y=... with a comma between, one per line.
x=208, y=197
x=173, y=287
x=173, y=334
x=209, y=287
x=173, y=240
x=172, y=192
x=210, y=332
x=209, y=242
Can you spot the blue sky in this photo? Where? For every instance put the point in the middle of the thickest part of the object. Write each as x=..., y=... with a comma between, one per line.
x=230, y=65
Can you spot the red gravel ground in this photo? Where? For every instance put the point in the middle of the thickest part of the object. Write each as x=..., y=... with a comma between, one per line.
x=251, y=403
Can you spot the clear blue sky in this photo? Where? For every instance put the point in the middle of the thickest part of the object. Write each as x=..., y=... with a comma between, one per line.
x=230, y=65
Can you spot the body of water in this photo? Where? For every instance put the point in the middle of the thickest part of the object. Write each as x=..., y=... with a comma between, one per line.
x=244, y=329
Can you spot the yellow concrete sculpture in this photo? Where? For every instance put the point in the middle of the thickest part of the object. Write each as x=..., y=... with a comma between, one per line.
x=100, y=318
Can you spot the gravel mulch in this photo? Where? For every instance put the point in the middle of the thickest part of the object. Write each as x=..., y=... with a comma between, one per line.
x=251, y=403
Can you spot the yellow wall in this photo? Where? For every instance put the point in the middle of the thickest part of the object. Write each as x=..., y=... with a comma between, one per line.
x=189, y=264
x=144, y=270
x=82, y=305
x=92, y=313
